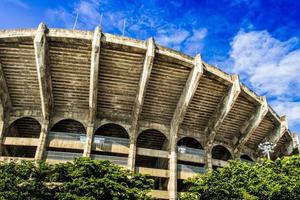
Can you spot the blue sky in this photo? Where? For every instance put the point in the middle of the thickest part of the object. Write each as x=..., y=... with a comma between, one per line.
x=259, y=40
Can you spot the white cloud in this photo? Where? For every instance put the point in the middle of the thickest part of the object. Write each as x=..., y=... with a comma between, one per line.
x=19, y=3
x=87, y=9
x=291, y=109
x=142, y=22
x=172, y=38
x=62, y=15
x=191, y=42
x=271, y=67
x=194, y=44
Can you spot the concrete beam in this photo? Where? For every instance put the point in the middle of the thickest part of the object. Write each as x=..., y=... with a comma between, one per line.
x=45, y=85
x=250, y=125
x=5, y=105
x=95, y=56
x=222, y=110
x=43, y=72
x=5, y=102
x=144, y=79
x=187, y=94
x=178, y=116
x=275, y=136
x=290, y=148
x=291, y=145
x=139, y=99
x=287, y=149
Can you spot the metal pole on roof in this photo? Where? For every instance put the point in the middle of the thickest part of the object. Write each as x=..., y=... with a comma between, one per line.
x=75, y=21
x=124, y=24
x=101, y=20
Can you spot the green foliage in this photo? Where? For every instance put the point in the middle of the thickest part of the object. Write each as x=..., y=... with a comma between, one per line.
x=83, y=179
x=272, y=180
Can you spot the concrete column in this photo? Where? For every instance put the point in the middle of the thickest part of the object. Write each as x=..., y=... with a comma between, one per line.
x=208, y=164
x=172, y=186
x=42, y=141
x=89, y=140
x=236, y=156
x=296, y=142
x=1, y=135
x=132, y=155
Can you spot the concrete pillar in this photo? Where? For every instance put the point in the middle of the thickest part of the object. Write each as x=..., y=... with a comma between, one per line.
x=236, y=156
x=208, y=151
x=132, y=155
x=172, y=186
x=89, y=141
x=1, y=135
x=42, y=141
x=296, y=140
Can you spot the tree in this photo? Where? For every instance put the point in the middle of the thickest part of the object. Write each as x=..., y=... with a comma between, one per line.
x=81, y=179
x=279, y=179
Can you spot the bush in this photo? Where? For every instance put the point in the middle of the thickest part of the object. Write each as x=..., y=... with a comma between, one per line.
x=279, y=179
x=83, y=178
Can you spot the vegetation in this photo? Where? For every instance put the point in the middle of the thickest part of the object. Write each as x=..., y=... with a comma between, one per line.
x=87, y=179
x=83, y=179
x=272, y=180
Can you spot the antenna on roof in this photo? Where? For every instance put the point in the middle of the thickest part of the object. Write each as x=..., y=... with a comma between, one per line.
x=124, y=24
x=101, y=20
x=75, y=21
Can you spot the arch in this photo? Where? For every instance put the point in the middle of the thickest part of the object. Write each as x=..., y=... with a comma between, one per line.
x=228, y=147
x=112, y=130
x=158, y=127
x=246, y=157
x=24, y=127
x=152, y=139
x=69, y=126
x=57, y=119
x=12, y=119
x=189, y=142
x=221, y=153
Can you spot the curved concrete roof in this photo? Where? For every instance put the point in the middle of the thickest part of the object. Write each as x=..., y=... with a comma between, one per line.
x=95, y=77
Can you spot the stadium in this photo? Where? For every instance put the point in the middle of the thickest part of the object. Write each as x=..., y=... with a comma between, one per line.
x=70, y=93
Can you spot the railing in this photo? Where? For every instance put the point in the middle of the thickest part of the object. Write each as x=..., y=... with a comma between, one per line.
x=190, y=168
x=189, y=150
x=114, y=159
x=248, y=161
x=57, y=155
x=105, y=140
x=67, y=136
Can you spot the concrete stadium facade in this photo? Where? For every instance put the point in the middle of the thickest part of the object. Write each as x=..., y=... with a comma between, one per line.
x=69, y=93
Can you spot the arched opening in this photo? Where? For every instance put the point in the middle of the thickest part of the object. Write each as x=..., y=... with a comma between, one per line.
x=152, y=139
x=246, y=158
x=111, y=142
x=221, y=153
x=190, y=159
x=68, y=126
x=25, y=127
x=281, y=146
x=189, y=145
x=66, y=140
x=152, y=156
x=21, y=138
